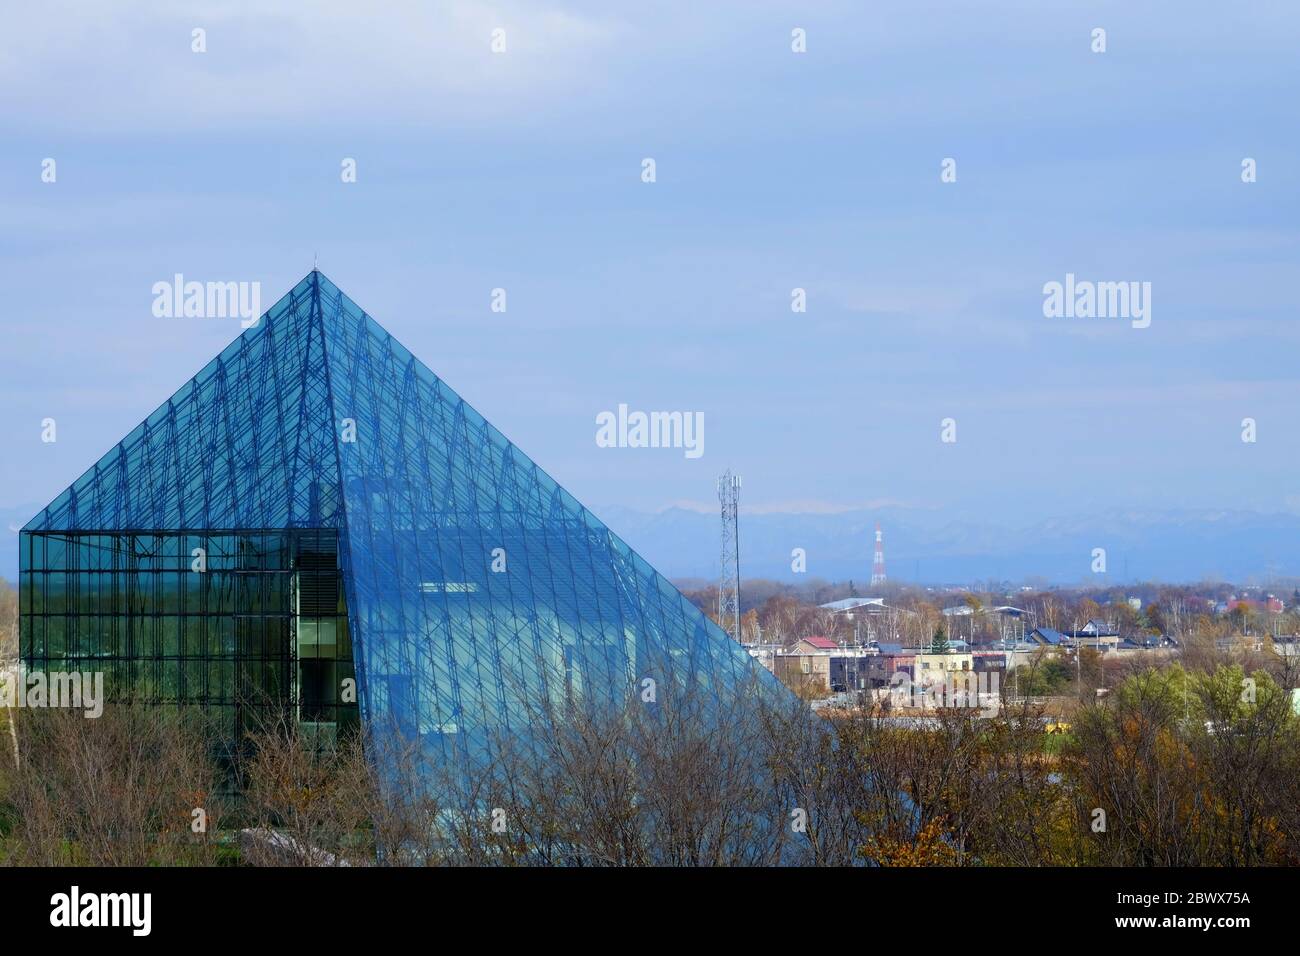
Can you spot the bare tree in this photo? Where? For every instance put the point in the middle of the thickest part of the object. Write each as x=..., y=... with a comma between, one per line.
x=133, y=787
x=10, y=671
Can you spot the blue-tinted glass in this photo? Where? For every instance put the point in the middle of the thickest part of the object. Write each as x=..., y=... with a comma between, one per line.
x=477, y=590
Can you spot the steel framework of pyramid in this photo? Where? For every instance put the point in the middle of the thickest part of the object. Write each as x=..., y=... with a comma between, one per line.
x=356, y=520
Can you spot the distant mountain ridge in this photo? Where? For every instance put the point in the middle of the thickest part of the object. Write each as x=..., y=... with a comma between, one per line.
x=929, y=546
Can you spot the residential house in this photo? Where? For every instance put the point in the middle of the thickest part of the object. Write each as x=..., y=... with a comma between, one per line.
x=808, y=662
x=1095, y=634
x=1045, y=637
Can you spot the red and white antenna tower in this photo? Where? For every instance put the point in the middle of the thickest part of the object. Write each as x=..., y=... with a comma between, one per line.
x=878, y=565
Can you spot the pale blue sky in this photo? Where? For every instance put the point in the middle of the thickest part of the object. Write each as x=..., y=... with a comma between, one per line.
x=775, y=170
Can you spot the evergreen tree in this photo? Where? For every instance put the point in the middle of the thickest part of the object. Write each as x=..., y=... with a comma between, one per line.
x=939, y=643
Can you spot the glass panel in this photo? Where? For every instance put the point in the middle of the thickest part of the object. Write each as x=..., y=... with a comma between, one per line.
x=386, y=545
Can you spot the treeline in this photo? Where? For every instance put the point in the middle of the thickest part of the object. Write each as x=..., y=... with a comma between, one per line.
x=1171, y=768
x=782, y=613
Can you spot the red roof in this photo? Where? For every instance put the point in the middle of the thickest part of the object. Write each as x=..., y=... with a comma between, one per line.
x=825, y=643
x=1271, y=604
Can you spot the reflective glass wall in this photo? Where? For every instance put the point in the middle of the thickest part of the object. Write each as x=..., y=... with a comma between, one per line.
x=230, y=621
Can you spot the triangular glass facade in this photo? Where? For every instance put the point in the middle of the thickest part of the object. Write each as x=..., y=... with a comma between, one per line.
x=477, y=590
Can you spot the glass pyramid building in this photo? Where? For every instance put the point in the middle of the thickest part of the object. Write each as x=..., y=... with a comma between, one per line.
x=317, y=519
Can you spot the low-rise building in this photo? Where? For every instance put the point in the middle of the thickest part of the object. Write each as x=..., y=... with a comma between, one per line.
x=1095, y=634
x=850, y=607
x=891, y=659
x=1045, y=637
x=927, y=665
x=807, y=662
x=810, y=670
